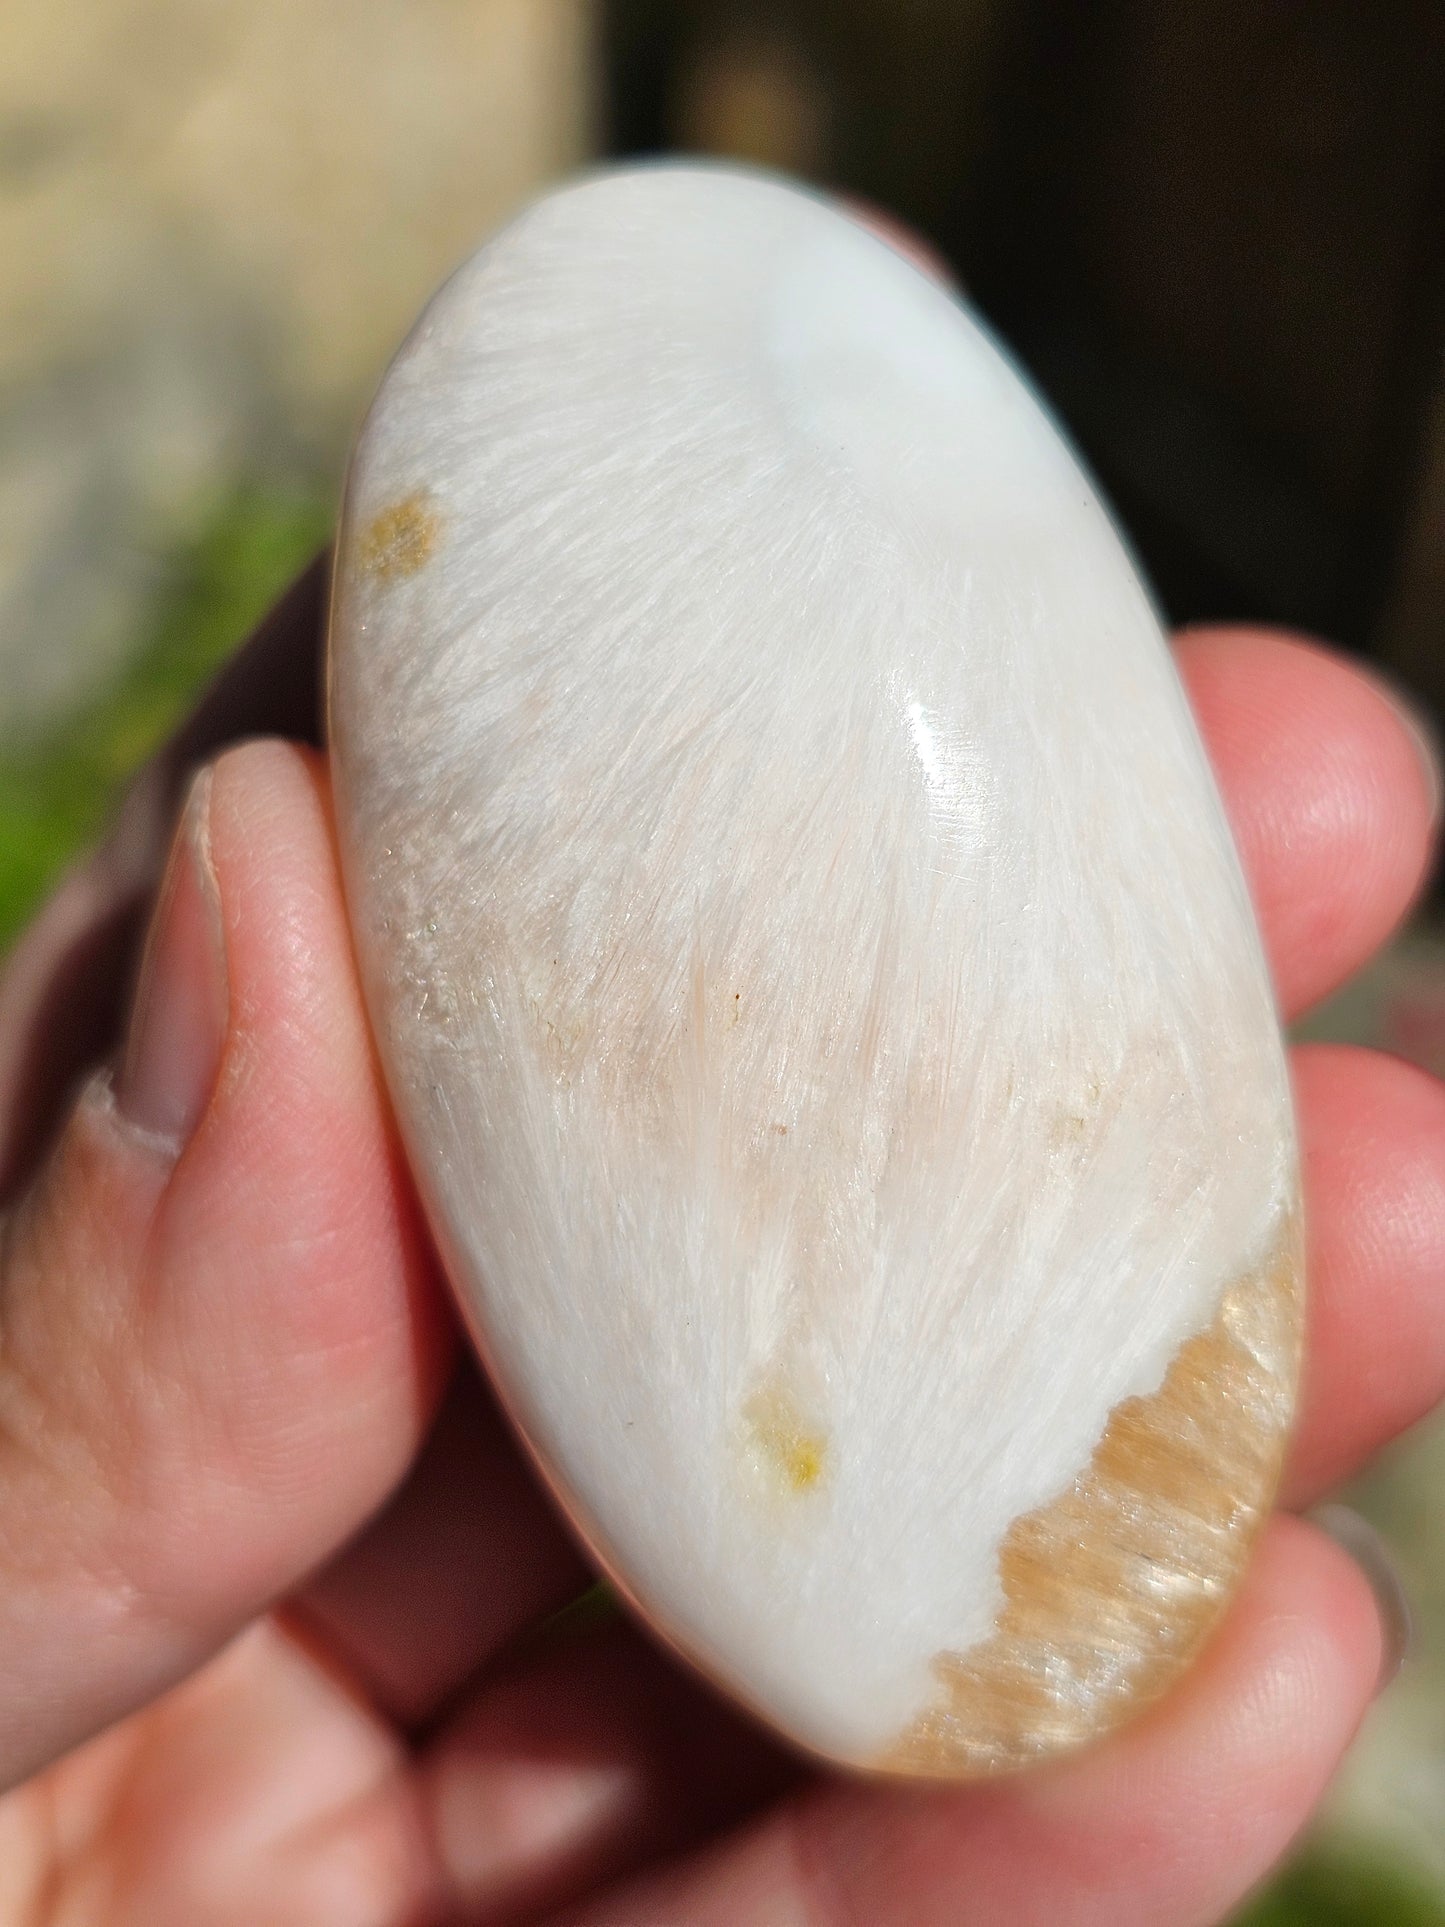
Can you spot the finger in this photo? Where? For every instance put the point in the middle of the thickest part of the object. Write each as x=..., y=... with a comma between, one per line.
x=1332, y=794
x=257, y=1791
x=902, y=238
x=220, y=1338
x=65, y=986
x=1372, y=1133
x=1170, y=1821
x=465, y=1557
x=581, y=1762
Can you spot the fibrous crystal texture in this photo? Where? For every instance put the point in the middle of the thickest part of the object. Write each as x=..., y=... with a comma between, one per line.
x=813, y=973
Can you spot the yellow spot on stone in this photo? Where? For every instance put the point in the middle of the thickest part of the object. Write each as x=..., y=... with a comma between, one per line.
x=792, y=1451
x=400, y=540
x=803, y=1461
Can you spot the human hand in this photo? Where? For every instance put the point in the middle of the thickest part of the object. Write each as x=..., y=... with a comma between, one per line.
x=261, y=1524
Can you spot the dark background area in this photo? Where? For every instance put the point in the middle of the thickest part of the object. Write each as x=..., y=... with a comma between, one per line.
x=1212, y=230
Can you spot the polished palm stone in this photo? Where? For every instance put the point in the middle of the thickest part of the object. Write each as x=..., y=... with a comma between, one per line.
x=813, y=973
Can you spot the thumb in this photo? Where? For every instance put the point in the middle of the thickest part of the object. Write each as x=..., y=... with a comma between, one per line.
x=220, y=1337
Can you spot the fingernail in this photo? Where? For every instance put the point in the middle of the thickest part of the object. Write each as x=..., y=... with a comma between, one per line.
x=1427, y=748
x=178, y=1023
x=1352, y=1531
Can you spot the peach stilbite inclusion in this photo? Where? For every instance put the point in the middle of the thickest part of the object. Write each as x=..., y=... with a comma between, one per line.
x=813, y=973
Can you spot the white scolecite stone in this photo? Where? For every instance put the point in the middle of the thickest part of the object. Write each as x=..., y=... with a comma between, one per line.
x=813, y=972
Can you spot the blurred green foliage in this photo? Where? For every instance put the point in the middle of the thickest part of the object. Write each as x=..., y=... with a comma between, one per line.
x=1331, y=1885
x=56, y=789
x=55, y=792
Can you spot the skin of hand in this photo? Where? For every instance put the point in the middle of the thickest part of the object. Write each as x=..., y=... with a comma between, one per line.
x=278, y=1596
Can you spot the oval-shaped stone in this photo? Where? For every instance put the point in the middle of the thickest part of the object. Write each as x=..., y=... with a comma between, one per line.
x=813, y=973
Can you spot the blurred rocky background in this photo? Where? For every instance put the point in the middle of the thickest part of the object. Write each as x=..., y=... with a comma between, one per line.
x=216, y=219
x=1214, y=231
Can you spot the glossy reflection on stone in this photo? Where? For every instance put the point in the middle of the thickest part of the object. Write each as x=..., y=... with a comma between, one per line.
x=813, y=974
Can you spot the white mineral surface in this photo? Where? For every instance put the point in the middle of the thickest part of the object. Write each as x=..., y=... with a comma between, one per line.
x=813, y=972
